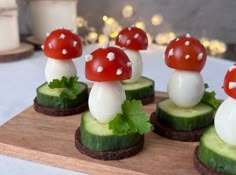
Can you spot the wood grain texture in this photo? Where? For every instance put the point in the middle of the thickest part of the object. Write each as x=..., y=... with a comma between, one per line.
x=24, y=51
x=40, y=138
x=35, y=42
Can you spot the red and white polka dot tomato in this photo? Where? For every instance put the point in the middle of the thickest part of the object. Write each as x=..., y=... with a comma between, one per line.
x=107, y=66
x=132, y=39
x=185, y=53
x=188, y=56
x=61, y=46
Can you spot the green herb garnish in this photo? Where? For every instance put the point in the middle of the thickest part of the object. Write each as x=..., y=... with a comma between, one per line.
x=71, y=86
x=133, y=120
x=209, y=98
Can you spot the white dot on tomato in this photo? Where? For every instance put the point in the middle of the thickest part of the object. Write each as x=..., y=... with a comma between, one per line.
x=64, y=52
x=119, y=71
x=100, y=69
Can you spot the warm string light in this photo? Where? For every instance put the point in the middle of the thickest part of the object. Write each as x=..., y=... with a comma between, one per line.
x=156, y=19
x=80, y=22
x=112, y=27
x=103, y=39
x=205, y=42
x=127, y=11
x=165, y=38
x=92, y=37
x=140, y=24
x=215, y=47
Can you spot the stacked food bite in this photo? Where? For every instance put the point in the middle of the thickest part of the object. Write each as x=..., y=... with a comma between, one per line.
x=216, y=151
x=114, y=127
x=184, y=115
x=62, y=94
x=132, y=40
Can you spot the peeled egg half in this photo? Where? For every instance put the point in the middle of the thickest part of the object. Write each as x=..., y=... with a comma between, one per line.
x=56, y=69
x=185, y=88
x=225, y=121
x=105, y=100
x=136, y=63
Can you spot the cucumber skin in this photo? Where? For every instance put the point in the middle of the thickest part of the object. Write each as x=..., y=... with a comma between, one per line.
x=216, y=161
x=140, y=93
x=62, y=103
x=107, y=143
x=184, y=124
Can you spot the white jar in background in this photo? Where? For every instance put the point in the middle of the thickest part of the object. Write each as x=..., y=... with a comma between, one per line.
x=48, y=15
x=9, y=30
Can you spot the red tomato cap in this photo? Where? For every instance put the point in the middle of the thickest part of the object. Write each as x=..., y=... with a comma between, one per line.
x=107, y=64
x=230, y=82
x=185, y=53
x=132, y=38
x=62, y=44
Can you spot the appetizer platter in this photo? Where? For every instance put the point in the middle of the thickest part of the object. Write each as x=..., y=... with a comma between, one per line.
x=37, y=137
x=110, y=127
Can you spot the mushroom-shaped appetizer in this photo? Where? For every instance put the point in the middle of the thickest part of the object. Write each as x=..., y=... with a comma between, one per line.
x=62, y=94
x=216, y=151
x=114, y=127
x=225, y=118
x=188, y=56
x=133, y=39
x=183, y=113
x=61, y=46
x=107, y=66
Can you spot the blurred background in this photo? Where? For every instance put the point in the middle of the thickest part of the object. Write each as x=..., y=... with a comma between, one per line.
x=212, y=21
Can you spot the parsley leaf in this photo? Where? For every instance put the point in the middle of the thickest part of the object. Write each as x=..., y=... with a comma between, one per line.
x=209, y=98
x=133, y=120
x=71, y=86
x=119, y=124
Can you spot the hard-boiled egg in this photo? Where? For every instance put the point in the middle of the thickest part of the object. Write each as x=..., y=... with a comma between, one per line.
x=136, y=64
x=56, y=69
x=105, y=100
x=185, y=88
x=225, y=121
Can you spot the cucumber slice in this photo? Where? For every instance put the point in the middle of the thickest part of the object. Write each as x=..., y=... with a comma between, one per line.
x=217, y=154
x=99, y=137
x=50, y=97
x=144, y=87
x=184, y=119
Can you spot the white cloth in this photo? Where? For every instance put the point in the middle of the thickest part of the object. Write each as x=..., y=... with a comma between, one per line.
x=19, y=80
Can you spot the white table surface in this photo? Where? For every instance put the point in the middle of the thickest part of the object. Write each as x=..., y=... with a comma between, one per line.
x=19, y=80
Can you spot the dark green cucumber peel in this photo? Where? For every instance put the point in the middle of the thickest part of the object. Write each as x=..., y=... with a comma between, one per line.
x=110, y=142
x=180, y=123
x=216, y=154
x=54, y=101
x=138, y=90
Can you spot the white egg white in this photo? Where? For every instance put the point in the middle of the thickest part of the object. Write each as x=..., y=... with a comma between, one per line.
x=225, y=121
x=105, y=100
x=185, y=88
x=56, y=69
x=136, y=64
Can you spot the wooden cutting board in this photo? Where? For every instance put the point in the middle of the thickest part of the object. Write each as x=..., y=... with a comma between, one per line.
x=50, y=140
x=22, y=52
